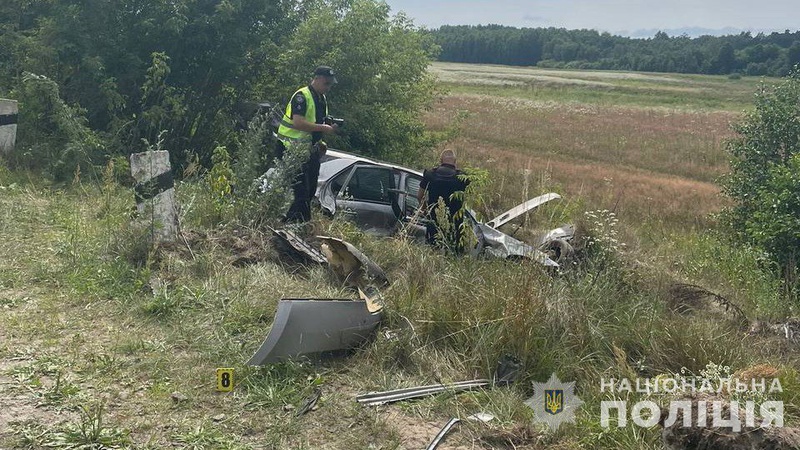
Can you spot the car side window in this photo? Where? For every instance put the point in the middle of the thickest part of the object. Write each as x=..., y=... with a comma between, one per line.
x=412, y=188
x=371, y=184
x=338, y=181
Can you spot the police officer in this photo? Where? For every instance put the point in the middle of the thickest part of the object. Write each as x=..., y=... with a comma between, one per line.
x=302, y=126
x=442, y=182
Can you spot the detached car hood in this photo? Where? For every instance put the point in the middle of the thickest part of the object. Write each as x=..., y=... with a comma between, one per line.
x=521, y=209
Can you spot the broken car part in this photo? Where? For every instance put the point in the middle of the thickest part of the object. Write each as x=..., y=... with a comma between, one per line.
x=309, y=326
x=289, y=240
x=481, y=417
x=500, y=245
x=440, y=436
x=350, y=265
x=380, y=398
x=521, y=209
x=309, y=402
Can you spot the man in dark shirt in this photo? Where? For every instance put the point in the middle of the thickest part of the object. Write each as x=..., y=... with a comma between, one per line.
x=303, y=125
x=442, y=182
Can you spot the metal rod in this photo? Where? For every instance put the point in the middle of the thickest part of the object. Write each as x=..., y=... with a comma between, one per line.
x=379, y=398
x=440, y=436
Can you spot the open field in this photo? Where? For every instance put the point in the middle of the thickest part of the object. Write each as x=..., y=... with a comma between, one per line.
x=607, y=88
x=632, y=143
x=107, y=343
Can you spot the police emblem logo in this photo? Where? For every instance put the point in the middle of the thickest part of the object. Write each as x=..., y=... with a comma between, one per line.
x=554, y=402
x=299, y=98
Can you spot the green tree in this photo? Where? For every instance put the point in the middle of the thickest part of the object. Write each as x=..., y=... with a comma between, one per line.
x=381, y=65
x=725, y=61
x=764, y=182
x=139, y=67
x=793, y=54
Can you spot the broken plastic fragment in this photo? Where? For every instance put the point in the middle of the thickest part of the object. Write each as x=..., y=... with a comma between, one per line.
x=308, y=326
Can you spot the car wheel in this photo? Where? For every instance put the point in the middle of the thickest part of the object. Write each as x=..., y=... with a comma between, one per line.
x=559, y=250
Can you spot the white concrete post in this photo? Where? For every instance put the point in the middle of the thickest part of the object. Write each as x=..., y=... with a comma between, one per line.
x=8, y=125
x=155, y=193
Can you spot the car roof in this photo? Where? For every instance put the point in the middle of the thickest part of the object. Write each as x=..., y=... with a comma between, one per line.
x=335, y=161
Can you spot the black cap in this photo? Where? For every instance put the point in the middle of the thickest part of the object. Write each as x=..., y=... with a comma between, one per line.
x=325, y=71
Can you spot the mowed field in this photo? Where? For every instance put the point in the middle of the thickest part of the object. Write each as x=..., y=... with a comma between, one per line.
x=647, y=146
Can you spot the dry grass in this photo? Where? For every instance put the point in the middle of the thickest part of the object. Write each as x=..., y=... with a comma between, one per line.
x=647, y=164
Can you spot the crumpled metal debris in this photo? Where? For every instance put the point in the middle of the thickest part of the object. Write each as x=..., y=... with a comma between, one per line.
x=309, y=403
x=381, y=398
x=290, y=240
x=350, y=265
x=307, y=325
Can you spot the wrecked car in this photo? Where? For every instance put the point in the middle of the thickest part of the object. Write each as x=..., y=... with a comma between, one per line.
x=382, y=199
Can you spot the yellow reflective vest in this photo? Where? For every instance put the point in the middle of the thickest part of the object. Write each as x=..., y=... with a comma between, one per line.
x=286, y=130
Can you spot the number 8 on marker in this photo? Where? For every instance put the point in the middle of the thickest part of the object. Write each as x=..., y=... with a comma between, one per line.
x=225, y=379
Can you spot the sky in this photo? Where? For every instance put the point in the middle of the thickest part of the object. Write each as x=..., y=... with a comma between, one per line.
x=637, y=18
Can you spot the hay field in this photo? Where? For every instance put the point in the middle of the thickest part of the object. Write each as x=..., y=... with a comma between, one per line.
x=648, y=146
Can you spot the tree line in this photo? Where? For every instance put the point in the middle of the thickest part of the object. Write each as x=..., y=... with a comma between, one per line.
x=763, y=54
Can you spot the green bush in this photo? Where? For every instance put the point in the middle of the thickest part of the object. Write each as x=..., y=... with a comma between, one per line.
x=765, y=178
x=53, y=136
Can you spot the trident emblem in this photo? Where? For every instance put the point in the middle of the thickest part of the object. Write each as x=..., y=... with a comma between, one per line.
x=554, y=401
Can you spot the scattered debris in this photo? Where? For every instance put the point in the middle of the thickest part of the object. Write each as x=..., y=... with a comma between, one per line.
x=380, y=398
x=309, y=403
x=309, y=326
x=508, y=369
x=440, y=436
x=481, y=417
x=500, y=245
x=218, y=418
x=289, y=241
x=350, y=265
x=178, y=397
x=391, y=335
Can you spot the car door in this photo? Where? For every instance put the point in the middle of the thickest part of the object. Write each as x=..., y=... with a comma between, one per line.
x=367, y=195
x=409, y=205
